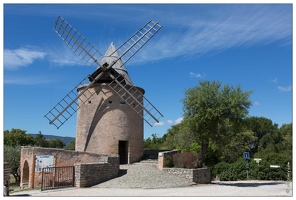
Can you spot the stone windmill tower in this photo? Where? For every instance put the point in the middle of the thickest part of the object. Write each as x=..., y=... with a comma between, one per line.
x=110, y=110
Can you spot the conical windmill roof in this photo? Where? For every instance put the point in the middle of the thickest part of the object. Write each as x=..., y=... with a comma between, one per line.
x=112, y=55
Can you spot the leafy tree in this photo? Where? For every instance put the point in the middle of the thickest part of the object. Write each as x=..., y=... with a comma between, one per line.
x=40, y=140
x=179, y=137
x=278, y=142
x=17, y=137
x=212, y=112
x=260, y=126
x=154, y=142
x=12, y=156
x=71, y=145
x=56, y=143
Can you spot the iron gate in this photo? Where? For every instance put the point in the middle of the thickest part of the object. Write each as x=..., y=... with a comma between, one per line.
x=57, y=177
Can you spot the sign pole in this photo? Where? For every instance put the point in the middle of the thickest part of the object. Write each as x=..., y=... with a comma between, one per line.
x=247, y=157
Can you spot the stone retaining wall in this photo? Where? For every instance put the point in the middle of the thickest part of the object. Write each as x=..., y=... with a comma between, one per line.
x=199, y=175
x=89, y=174
x=163, y=155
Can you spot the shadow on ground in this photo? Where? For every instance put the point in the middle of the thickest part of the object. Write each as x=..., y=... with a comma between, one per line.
x=251, y=184
x=19, y=195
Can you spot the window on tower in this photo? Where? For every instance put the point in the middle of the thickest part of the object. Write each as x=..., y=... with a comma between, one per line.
x=122, y=101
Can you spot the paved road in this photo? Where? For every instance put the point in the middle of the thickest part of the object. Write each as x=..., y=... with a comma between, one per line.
x=144, y=179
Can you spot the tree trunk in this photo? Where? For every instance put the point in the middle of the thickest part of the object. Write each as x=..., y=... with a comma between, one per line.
x=201, y=154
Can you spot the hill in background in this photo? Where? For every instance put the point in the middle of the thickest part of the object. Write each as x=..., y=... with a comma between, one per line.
x=66, y=140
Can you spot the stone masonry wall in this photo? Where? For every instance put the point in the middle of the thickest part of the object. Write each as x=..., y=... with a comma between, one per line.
x=32, y=179
x=199, y=175
x=163, y=155
x=89, y=174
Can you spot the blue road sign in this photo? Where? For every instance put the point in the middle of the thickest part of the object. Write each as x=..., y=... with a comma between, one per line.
x=246, y=155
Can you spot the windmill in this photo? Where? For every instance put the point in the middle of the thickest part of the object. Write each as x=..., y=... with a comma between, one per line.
x=92, y=97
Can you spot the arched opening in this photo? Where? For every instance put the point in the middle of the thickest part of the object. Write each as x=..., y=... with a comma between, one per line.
x=25, y=174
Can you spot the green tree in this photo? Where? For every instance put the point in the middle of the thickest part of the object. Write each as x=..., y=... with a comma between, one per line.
x=17, y=137
x=278, y=142
x=154, y=142
x=56, y=143
x=40, y=140
x=212, y=112
x=179, y=137
x=12, y=156
x=71, y=145
x=260, y=126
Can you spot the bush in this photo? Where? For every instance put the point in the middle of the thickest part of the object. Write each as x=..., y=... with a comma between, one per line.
x=237, y=170
x=168, y=161
x=185, y=160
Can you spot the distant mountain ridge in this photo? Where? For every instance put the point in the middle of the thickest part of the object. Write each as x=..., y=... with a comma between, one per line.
x=66, y=140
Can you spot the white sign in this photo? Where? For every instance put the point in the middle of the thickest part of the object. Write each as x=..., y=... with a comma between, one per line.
x=275, y=166
x=43, y=161
x=257, y=159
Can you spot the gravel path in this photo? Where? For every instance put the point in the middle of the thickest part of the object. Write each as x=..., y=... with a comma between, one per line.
x=144, y=175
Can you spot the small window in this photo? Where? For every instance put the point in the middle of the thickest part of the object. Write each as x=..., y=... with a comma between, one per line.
x=110, y=102
x=122, y=101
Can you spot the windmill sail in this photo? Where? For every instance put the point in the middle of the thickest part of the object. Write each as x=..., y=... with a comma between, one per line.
x=60, y=113
x=67, y=107
x=79, y=45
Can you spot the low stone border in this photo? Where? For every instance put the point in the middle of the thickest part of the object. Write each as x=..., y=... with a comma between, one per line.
x=199, y=175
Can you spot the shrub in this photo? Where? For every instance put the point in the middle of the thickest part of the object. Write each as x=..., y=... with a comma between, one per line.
x=237, y=170
x=185, y=160
x=168, y=161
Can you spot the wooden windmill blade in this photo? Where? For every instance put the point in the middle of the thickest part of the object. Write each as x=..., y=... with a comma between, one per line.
x=132, y=45
x=60, y=113
x=75, y=41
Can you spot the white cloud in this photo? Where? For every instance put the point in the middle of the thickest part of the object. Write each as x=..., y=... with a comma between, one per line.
x=197, y=75
x=225, y=28
x=169, y=121
x=26, y=81
x=159, y=123
x=274, y=80
x=22, y=57
x=285, y=89
x=61, y=55
x=256, y=103
x=179, y=120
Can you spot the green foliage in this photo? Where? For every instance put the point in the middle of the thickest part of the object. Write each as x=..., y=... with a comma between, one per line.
x=262, y=128
x=40, y=140
x=12, y=156
x=71, y=145
x=56, y=143
x=168, y=161
x=237, y=170
x=154, y=142
x=214, y=113
x=185, y=160
x=17, y=137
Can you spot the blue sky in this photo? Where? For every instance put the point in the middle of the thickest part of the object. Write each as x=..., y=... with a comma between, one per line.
x=238, y=44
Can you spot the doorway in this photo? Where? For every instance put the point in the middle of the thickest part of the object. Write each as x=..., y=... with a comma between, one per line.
x=123, y=152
